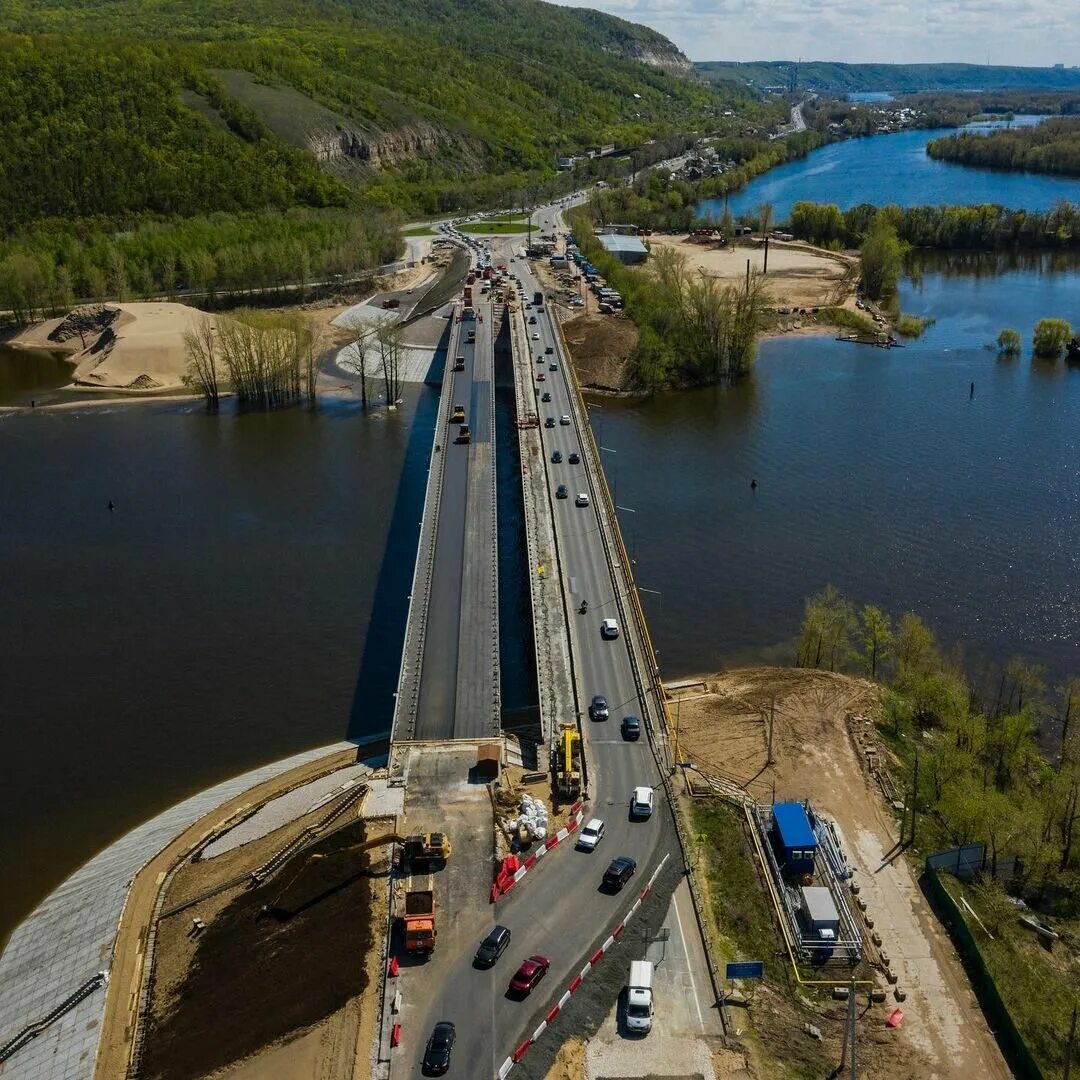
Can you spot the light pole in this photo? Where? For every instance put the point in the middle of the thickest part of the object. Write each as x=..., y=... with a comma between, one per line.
x=654, y=592
x=633, y=533
x=614, y=474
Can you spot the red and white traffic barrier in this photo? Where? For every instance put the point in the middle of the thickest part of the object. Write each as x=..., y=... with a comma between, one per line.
x=505, y=880
x=577, y=980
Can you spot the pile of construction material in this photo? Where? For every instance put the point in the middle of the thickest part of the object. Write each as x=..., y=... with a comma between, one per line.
x=532, y=821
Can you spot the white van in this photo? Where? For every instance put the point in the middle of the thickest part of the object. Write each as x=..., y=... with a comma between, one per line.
x=641, y=802
x=639, y=1000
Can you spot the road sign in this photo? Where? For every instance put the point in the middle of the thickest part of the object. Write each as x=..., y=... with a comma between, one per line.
x=746, y=969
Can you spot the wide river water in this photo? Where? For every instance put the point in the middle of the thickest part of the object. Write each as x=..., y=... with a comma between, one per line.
x=894, y=168
x=245, y=599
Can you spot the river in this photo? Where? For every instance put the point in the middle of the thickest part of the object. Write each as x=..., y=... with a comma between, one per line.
x=875, y=472
x=246, y=598
x=894, y=168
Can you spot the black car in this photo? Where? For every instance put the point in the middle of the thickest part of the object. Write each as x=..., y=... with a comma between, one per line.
x=619, y=872
x=547, y=396
x=439, y=1046
x=492, y=947
x=631, y=728
x=556, y=457
x=562, y=492
x=598, y=708
x=574, y=459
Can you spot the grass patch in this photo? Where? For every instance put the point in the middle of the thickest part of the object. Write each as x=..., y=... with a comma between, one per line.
x=913, y=326
x=846, y=319
x=494, y=228
x=419, y=230
x=1039, y=988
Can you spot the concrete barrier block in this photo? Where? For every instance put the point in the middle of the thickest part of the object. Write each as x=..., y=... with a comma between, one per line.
x=877, y=995
x=840, y=993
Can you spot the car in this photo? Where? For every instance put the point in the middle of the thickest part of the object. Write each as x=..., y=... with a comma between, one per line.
x=641, y=801
x=609, y=629
x=619, y=873
x=590, y=835
x=598, y=708
x=582, y=499
x=547, y=396
x=562, y=492
x=631, y=728
x=532, y=320
x=528, y=975
x=536, y=337
x=556, y=457
x=492, y=947
x=549, y=422
x=574, y=458
x=439, y=1047
x=564, y=420
x=553, y=367
x=528, y=307
x=541, y=377
x=549, y=350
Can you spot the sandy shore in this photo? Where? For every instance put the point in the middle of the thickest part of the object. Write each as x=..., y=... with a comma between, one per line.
x=798, y=276
x=141, y=351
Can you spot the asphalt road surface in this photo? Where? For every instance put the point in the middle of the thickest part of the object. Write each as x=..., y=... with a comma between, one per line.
x=558, y=909
x=458, y=625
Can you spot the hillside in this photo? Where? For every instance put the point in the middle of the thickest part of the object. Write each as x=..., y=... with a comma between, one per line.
x=170, y=107
x=902, y=78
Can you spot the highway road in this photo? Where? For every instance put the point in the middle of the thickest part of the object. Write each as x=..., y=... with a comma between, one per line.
x=558, y=909
x=457, y=674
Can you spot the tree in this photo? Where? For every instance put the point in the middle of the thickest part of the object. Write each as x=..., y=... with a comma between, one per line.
x=915, y=648
x=202, y=361
x=765, y=217
x=388, y=337
x=876, y=630
x=828, y=623
x=882, y=259
x=1008, y=342
x=1050, y=338
x=727, y=223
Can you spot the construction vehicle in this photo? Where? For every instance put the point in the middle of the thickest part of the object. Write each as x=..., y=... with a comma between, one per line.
x=425, y=848
x=464, y=434
x=419, y=917
x=566, y=763
x=458, y=415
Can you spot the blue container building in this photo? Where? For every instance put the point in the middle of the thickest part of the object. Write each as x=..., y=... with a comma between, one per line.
x=793, y=839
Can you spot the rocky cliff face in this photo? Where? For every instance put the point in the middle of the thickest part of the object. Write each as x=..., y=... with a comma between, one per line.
x=380, y=149
x=671, y=59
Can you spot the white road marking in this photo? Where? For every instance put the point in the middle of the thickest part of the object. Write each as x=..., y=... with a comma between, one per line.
x=689, y=966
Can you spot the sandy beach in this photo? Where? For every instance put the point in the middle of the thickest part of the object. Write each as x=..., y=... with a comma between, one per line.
x=798, y=276
x=142, y=350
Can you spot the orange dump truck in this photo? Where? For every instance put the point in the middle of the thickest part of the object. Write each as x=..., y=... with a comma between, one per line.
x=419, y=920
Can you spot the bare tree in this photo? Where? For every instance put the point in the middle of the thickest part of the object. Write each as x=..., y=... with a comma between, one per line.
x=388, y=336
x=202, y=361
x=363, y=344
x=765, y=216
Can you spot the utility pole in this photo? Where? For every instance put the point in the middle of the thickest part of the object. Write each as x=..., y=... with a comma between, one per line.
x=765, y=266
x=747, y=277
x=772, y=720
x=849, y=1033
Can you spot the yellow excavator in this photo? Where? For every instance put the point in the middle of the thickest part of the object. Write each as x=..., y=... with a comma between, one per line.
x=566, y=763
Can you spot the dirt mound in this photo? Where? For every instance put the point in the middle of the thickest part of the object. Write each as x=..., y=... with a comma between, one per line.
x=601, y=346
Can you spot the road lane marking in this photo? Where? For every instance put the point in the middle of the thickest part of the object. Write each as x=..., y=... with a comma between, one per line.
x=689, y=966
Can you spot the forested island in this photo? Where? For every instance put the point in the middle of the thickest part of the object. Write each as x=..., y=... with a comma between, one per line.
x=1050, y=147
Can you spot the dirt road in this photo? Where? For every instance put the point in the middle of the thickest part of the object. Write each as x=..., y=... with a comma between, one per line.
x=723, y=727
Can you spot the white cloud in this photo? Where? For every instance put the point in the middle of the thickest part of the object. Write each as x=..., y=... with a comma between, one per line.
x=1024, y=32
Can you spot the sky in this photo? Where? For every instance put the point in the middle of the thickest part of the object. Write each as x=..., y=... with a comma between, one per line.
x=1034, y=33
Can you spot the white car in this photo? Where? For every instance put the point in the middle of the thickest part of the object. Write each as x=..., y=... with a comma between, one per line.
x=536, y=337
x=591, y=835
x=582, y=500
x=564, y=419
x=609, y=628
x=641, y=802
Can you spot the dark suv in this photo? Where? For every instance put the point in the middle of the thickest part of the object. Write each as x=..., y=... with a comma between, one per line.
x=631, y=728
x=598, y=708
x=492, y=947
x=619, y=872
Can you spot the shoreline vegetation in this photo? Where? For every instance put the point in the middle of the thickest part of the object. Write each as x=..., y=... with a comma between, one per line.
x=997, y=765
x=1051, y=147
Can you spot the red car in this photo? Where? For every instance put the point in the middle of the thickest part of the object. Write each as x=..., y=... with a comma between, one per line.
x=541, y=377
x=529, y=974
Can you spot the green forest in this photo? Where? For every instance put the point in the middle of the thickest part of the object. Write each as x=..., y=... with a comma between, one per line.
x=947, y=227
x=1050, y=147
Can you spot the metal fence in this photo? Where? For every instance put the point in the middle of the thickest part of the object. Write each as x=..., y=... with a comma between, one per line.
x=1013, y=1046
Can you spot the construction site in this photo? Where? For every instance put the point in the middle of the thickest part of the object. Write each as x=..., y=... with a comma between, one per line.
x=783, y=774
